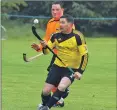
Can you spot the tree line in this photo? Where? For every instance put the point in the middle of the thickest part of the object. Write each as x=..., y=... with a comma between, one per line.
x=78, y=9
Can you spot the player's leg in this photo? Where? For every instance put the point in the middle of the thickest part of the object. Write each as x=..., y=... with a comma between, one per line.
x=52, y=80
x=45, y=95
x=64, y=83
x=66, y=93
x=61, y=102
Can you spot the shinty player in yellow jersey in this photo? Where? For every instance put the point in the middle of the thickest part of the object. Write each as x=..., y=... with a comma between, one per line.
x=53, y=26
x=72, y=50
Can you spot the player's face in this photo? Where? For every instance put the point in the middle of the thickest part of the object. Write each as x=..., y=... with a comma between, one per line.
x=65, y=26
x=56, y=11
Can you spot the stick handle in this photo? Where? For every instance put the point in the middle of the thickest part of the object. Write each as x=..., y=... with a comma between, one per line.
x=31, y=58
x=35, y=33
x=38, y=37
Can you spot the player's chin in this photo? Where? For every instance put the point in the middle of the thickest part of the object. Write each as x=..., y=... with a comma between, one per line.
x=56, y=17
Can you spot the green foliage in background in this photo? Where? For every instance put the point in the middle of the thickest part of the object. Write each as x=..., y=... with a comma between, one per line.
x=77, y=9
x=13, y=4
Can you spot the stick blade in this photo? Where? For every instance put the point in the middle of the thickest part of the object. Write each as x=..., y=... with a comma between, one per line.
x=24, y=57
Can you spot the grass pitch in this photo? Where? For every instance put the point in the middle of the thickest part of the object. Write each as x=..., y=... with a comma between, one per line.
x=22, y=82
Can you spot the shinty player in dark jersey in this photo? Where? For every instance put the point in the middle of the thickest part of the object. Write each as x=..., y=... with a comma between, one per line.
x=53, y=26
x=72, y=49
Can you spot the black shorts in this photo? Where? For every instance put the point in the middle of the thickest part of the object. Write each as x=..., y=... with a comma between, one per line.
x=56, y=73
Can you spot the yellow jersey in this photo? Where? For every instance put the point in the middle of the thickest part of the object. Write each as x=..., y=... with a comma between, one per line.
x=72, y=49
x=53, y=26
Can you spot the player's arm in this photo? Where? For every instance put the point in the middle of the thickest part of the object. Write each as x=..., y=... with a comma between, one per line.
x=51, y=44
x=38, y=47
x=83, y=50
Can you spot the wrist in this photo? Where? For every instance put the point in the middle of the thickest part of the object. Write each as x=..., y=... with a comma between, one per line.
x=45, y=47
x=38, y=49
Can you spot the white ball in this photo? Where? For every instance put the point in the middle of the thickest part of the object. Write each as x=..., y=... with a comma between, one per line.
x=36, y=21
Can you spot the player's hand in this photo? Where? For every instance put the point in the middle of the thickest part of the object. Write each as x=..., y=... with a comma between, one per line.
x=35, y=46
x=77, y=75
x=43, y=43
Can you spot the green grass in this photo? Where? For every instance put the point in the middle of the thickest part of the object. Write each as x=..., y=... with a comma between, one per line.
x=22, y=82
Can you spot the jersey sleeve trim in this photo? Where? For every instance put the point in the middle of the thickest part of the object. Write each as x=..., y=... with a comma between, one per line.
x=83, y=63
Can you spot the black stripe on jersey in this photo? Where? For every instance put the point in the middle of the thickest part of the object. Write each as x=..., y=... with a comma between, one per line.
x=53, y=38
x=63, y=37
x=78, y=39
x=60, y=37
x=81, y=64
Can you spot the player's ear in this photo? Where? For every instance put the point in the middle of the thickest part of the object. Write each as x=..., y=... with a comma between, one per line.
x=63, y=9
x=71, y=24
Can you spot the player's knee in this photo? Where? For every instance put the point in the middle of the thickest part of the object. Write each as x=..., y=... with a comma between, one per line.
x=46, y=91
x=47, y=88
x=62, y=87
x=54, y=89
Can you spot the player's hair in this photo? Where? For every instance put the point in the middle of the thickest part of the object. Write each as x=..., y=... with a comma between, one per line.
x=68, y=18
x=58, y=2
